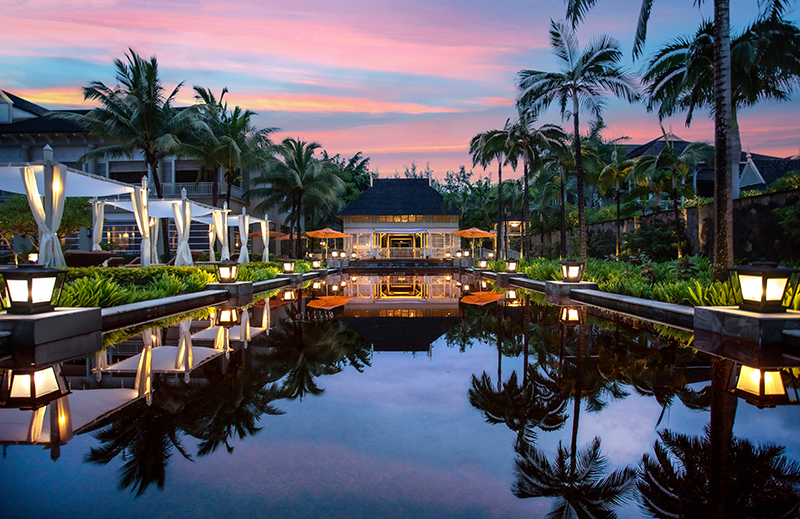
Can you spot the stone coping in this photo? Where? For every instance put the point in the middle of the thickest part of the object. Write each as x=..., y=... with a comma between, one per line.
x=118, y=317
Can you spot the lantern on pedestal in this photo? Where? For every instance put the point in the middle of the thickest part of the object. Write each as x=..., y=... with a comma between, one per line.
x=32, y=289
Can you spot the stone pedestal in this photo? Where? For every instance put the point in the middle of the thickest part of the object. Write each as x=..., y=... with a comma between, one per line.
x=240, y=288
x=47, y=327
x=747, y=326
x=562, y=288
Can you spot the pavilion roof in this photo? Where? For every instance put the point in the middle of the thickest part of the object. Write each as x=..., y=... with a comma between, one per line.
x=398, y=196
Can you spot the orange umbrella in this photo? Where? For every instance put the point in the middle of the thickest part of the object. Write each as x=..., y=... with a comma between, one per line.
x=286, y=237
x=326, y=234
x=328, y=302
x=474, y=232
x=481, y=298
x=275, y=235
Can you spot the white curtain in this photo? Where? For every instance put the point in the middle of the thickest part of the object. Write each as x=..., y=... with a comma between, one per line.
x=244, y=328
x=47, y=215
x=222, y=341
x=265, y=238
x=139, y=198
x=183, y=214
x=155, y=223
x=212, y=238
x=144, y=379
x=98, y=210
x=221, y=228
x=244, y=226
x=184, y=358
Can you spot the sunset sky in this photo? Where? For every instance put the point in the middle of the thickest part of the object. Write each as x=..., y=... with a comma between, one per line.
x=400, y=81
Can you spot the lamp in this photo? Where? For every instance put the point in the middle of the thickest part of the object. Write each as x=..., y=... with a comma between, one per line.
x=483, y=264
x=491, y=255
x=353, y=255
x=316, y=264
x=448, y=277
x=288, y=266
x=33, y=257
x=316, y=285
x=572, y=270
x=465, y=288
x=289, y=295
x=227, y=271
x=767, y=387
x=511, y=294
x=353, y=278
x=32, y=288
x=511, y=266
x=32, y=388
x=466, y=253
x=483, y=284
x=571, y=315
x=228, y=316
x=335, y=253
x=763, y=285
x=334, y=288
x=447, y=255
x=458, y=254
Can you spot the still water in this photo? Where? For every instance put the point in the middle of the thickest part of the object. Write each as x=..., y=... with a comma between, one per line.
x=387, y=405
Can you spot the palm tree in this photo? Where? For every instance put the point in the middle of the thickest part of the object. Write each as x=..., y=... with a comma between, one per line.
x=676, y=168
x=137, y=115
x=484, y=148
x=202, y=141
x=675, y=479
x=582, y=76
x=616, y=173
x=723, y=117
x=299, y=184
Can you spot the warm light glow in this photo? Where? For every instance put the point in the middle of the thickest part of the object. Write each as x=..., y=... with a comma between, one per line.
x=344, y=283
x=56, y=186
x=483, y=264
x=316, y=285
x=448, y=277
x=288, y=295
x=511, y=294
x=226, y=316
x=515, y=224
x=44, y=382
x=21, y=387
x=752, y=288
x=465, y=288
x=483, y=284
x=17, y=290
x=288, y=267
x=466, y=254
x=315, y=264
x=447, y=254
x=33, y=257
x=511, y=266
x=335, y=254
x=125, y=235
x=750, y=380
x=353, y=254
x=458, y=254
x=354, y=278
x=335, y=288
x=227, y=273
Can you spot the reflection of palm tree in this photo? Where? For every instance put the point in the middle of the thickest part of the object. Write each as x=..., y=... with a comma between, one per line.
x=675, y=480
x=574, y=480
x=305, y=351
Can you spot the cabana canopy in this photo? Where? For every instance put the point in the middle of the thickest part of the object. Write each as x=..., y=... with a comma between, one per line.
x=78, y=183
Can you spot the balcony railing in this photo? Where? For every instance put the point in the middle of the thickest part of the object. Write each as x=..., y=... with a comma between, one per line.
x=200, y=189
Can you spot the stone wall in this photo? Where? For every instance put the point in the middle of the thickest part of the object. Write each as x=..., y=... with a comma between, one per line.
x=757, y=233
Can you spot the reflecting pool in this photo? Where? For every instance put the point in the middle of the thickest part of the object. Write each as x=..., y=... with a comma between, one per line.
x=405, y=395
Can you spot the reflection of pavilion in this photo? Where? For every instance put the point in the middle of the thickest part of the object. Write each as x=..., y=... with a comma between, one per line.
x=401, y=312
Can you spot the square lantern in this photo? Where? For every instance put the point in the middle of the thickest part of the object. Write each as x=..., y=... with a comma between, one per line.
x=288, y=266
x=447, y=255
x=768, y=387
x=763, y=285
x=33, y=257
x=353, y=278
x=466, y=253
x=354, y=255
x=227, y=317
x=335, y=254
x=32, y=288
x=483, y=284
x=334, y=287
x=572, y=270
x=227, y=271
x=459, y=254
x=511, y=266
x=448, y=277
x=289, y=295
x=32, y=388
x=316, y=264
x=316, y=285
x=491, y=255
x=570, y=315
x=511, y=294
x=465, y=288
x=483, y=264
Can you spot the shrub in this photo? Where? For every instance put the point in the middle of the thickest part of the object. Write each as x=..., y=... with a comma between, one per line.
x=93, y=291
x=656, y=239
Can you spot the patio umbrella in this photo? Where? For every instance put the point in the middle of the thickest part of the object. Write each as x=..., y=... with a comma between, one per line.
x=474, y=232
x=481, y=298
x=326, y=234
x=328, y=302
x=275, y=235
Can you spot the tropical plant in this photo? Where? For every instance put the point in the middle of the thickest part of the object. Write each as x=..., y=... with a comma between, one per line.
x=484, y=148
x=615, y=174
x=299, y=184
x=137, y=116
x=583, y=75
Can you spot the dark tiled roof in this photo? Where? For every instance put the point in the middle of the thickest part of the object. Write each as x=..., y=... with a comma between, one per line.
x=394, y=196
x=655, y=146
x=773, y=168
x=26, y=105
x=400, y=333
x=42, y=125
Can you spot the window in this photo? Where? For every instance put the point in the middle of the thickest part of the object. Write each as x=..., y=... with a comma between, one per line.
x=360, y=219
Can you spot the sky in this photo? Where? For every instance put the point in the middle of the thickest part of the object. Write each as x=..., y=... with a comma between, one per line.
x=402, y=81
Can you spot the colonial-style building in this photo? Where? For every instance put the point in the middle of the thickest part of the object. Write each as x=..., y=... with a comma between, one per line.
x=400, y=218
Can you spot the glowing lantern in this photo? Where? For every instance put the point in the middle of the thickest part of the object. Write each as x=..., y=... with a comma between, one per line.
x=572, y=270
x=32, y=288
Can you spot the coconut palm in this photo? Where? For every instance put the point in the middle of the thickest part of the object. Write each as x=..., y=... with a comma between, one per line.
x=675, y=479
x=668, y=164
x=484, y=148
x=616, y=173
x=137, y=116
x=583, y=76
x=299, y=184
x=722, y=110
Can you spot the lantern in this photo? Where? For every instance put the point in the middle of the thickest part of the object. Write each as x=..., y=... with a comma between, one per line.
x=483, y=264
x=32, y=288
x=33, y=257
x=447, y=255
x=353, y=278
x=572, y=270
x=227, y=271
x=448, y=277
x=228, y=317
x=32, y=388
x=466, y=253
x=511, y=266
x=459, y=254
x=491, y=255
x=335, y=253
x=316, y=264
x=465, y=288
x=289, y=295
x=353, y=255
x=571, y=315
x=288, y=266
x=763, y=285
x=766, y=387
x=316, y=285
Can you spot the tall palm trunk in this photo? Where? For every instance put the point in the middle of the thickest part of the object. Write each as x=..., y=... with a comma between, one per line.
x=723, y=195
x=152, y=161
x=499, y=337
x=526, y=213
x=576, y=411
x=563, y=215
x=723, y=413
x=500, y=214
x=579, y=179
x=678, y=231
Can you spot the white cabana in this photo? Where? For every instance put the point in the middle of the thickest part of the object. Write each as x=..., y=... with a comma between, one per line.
x=265, y=238
x=47, y=216
x=212, y=239
x=154, y=229
x=218, y=222
x=183, y=220
x=98, y=211
x=221, y=228
x=244, y=224
x=142, y=214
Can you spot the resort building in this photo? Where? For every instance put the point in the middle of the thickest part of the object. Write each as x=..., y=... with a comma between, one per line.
x=399, y=218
